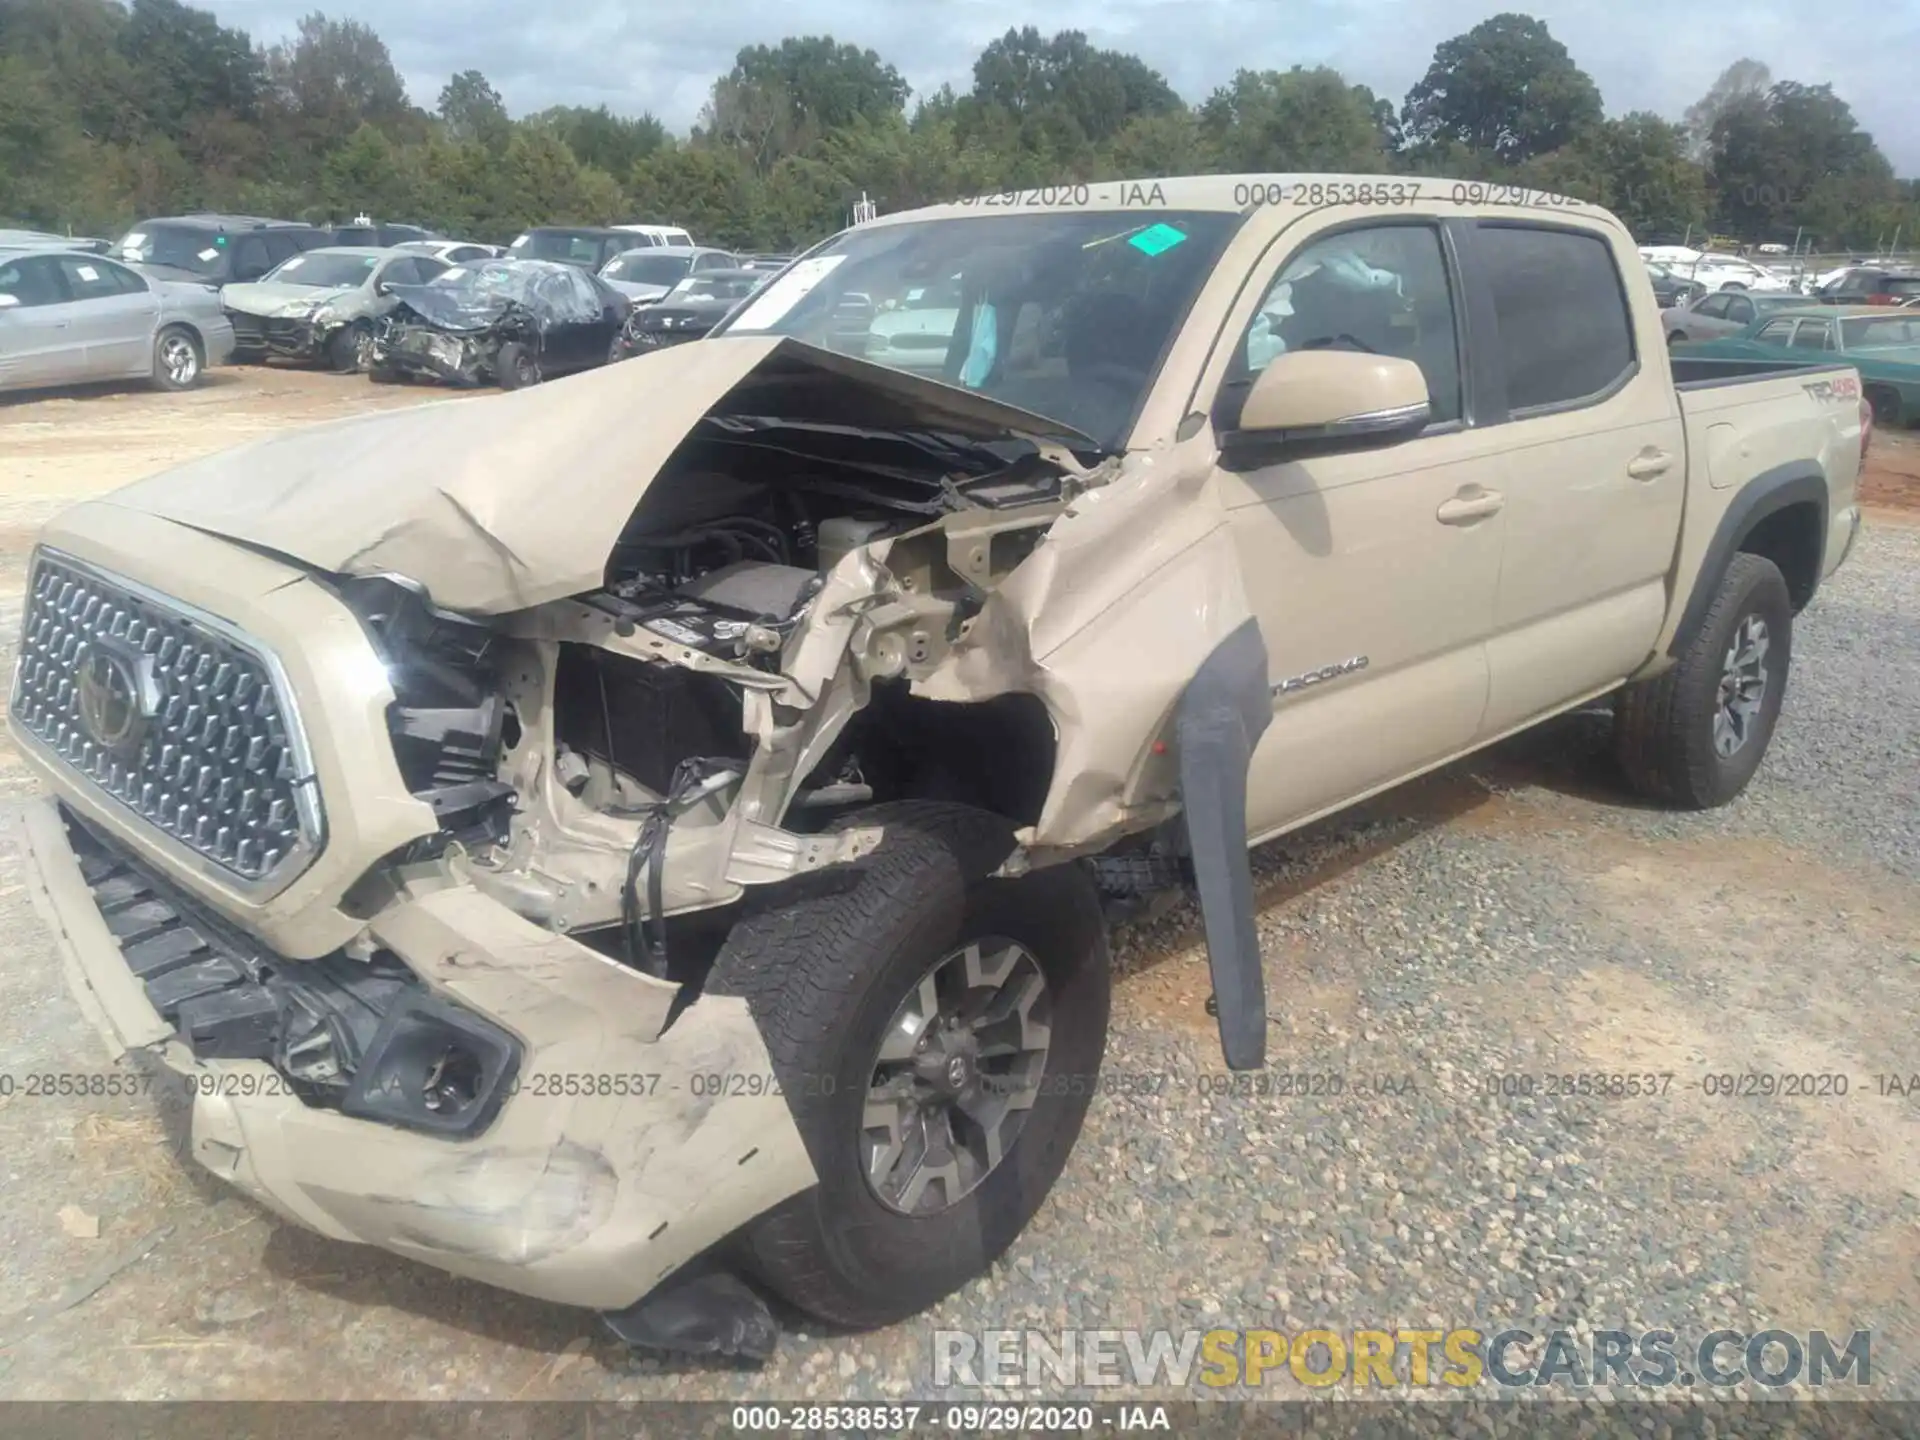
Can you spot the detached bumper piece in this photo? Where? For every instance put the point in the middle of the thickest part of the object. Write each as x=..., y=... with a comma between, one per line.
x=361, y=1037
x=700, y=1311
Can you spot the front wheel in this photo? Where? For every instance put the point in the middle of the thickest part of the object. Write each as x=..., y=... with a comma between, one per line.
x=516, y=366
x=1678, y=337
x=350, y=349
x=1694, y=735
x=937, y=1034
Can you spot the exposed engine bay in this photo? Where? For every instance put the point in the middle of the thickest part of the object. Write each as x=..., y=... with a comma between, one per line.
x=555, y=748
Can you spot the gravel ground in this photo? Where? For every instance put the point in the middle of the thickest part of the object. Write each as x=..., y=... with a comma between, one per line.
x=1511, y=916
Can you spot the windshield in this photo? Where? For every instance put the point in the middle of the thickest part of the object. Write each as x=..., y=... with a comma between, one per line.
x=1874, y=333
x=574, y=245
x=325, y=271
x=644, y=269
x=200, y=251
x=1065, y=315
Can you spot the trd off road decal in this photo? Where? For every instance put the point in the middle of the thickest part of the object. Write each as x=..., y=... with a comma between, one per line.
x=1845, y=388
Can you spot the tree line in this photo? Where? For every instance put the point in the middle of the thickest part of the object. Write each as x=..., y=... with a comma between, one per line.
x=110, y=112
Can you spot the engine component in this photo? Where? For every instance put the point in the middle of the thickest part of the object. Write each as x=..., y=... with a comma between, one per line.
x=751, y=588
x=843, y=534
x=643, y=719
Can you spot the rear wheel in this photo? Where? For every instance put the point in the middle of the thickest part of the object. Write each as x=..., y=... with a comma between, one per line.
x=516, y=366
x=177, y=359
x=1886, y=405
x=938, y=1035
x=1677, y=337
x=1694, y=735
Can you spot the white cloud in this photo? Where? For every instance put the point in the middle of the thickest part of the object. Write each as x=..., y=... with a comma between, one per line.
x=662, y=55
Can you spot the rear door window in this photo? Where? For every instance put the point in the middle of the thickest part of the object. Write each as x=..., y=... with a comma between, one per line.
x=1775, y=332
x=1565, y=329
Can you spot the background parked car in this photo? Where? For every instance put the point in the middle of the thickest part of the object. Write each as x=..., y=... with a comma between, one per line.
x=69, y=316
x=381, y=236
x=690, y=310
x=512, y=323
x=657, y=235
x=1672, y=289
x=587, y=246
x=453, y=252
x=649, y=273
x=1731, y=272
x=1882, y=343
x=214, y=249
x=1725, y=312
x=1870, y=285
x=41, y=239
x=321, y=305
x=765, y=262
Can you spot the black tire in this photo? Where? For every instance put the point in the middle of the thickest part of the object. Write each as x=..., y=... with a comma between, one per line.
x=1886, y=406
x=343, y=348
x=1676, y=338
x=1664, y=727
x=516, y=366
x=385, y=375
x=823, y=973
x=179, y=360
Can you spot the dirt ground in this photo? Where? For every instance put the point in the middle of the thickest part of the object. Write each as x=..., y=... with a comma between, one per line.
x=1514, y=914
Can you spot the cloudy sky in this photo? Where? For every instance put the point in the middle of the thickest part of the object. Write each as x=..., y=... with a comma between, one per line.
x=661, y=55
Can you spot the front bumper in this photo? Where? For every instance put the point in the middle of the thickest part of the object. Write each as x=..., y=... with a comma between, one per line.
x=287, y=337
x=603, y=1170
x=467, y=364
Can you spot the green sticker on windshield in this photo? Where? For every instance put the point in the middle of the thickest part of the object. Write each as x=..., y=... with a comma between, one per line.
x=1157, y=239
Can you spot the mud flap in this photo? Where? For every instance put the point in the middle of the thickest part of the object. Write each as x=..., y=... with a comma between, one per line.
x=1224, y=711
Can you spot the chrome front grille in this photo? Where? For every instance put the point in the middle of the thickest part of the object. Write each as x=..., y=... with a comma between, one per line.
x=173, y=714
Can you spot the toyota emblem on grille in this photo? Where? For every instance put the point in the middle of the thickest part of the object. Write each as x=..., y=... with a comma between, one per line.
x=117, y=696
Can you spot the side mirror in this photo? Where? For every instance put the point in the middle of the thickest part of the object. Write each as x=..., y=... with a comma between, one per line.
x=383, y=287
x=1322, y=402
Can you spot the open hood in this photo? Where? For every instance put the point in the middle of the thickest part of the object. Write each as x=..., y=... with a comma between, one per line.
x=499, y=503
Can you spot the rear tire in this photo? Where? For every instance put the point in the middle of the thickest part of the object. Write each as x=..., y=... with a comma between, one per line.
x=1693, y=736
x=826, y=975
x=516, y=366
x=178, y=360
x=1886, y=406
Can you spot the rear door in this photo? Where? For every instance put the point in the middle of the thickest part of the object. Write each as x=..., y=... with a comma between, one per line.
x=1593, y=462
x=37, y=342
x=114, y=314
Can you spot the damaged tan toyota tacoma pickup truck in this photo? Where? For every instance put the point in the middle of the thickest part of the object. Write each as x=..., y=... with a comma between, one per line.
x=656, y=832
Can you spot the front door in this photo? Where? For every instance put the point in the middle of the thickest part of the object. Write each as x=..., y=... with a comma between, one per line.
x=1372, y=574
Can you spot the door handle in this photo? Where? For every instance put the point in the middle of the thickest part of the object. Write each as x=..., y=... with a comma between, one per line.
x=1469, y=506
x=1649, y=464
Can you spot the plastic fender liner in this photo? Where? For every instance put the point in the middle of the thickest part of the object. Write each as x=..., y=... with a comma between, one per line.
x=1224, y=710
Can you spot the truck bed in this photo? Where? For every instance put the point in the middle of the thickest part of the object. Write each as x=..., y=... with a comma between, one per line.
x=1690, y=373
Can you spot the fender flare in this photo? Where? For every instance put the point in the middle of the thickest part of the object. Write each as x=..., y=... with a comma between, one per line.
x=1221, y=716
x=1770, y=491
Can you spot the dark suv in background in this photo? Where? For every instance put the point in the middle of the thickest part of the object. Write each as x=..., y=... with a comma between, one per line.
x=215, y=249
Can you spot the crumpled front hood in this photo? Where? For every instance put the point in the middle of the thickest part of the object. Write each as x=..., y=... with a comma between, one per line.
x=272, y=299
x=503, y=502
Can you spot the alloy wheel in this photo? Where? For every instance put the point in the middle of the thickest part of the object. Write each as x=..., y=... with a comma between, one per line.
x=179, y=359
x=1743, y=687
x=955, y=1077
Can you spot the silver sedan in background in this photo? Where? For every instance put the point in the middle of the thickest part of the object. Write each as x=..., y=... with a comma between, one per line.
x=67, y=317
x=1724, y=312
